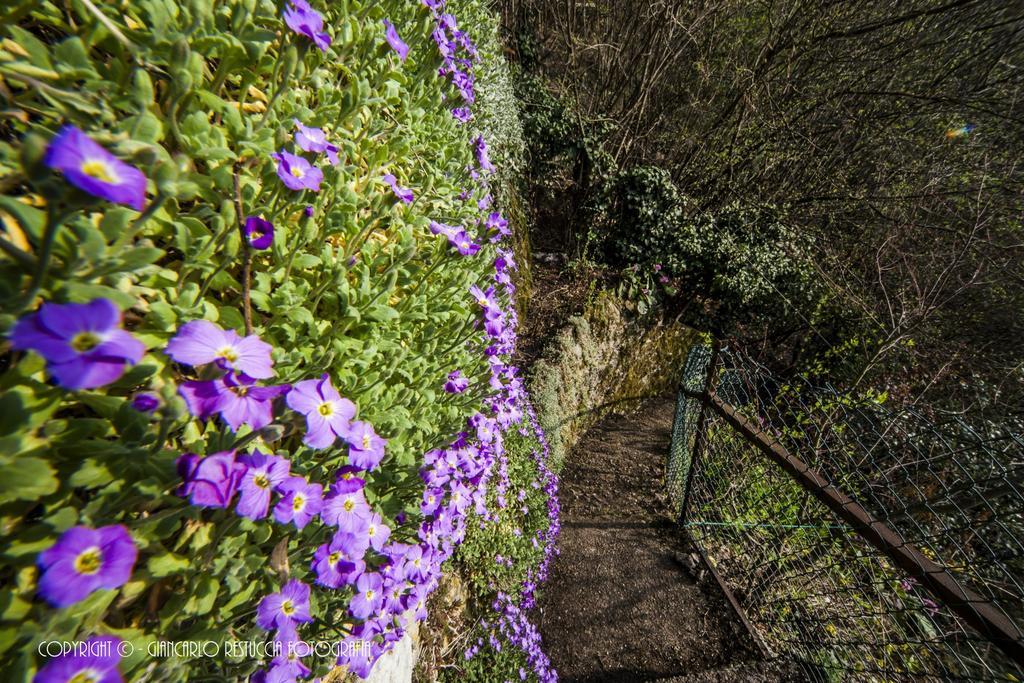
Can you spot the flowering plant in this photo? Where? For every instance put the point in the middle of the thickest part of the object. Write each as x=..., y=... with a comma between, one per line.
x=227, y=339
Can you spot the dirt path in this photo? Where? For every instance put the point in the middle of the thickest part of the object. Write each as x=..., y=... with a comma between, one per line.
x=619, y=605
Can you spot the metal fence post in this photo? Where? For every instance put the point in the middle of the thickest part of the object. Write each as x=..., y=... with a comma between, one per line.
x=700, y=433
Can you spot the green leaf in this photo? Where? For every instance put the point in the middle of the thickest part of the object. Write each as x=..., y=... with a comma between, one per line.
x=26, y=479
x=167, y=564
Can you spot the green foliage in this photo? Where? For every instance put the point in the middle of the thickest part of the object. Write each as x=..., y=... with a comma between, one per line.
x=498, y=556
x=744, y=261
x=198, y=95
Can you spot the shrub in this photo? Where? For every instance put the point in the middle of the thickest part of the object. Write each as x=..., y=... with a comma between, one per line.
x=358, y=283
x=746, y=261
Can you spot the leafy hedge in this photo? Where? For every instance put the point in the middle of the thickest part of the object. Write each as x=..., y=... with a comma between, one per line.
x=747, y=261
x=361, y=283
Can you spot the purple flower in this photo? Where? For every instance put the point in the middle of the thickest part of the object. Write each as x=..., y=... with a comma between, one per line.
x=306, y=21
x=495, y=221
x=464, y=243
x=200, y=342
x=201, y=397
x=263, y=473
x=462, y=114
x=369, y=595
x=391, y=35
x=211, y=481
x=145, y=402
x=346, y=508
x=83, y=344
x=441, y=229
x=486, y=301
x=259, y=232
x=308, y=211
x=83, y=560
x=286, y=608
x=93, y=661
x=366, y=448
x=377, y=532
x=456, y=383
x=358, y=652
x=93, y=169
x=464, y=83
x=482, y=157
x=327, y=413
x=337, y=563
x=234, y=398
x=310, y=139
x=332, y=155
x=402, y=193
x=300, y=501
x=297, y=173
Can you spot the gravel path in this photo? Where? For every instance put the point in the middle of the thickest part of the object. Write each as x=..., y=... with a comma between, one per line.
x=620, y=604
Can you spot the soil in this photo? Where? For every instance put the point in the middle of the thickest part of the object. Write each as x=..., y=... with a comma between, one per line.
x=556, y=293
x=625, y=601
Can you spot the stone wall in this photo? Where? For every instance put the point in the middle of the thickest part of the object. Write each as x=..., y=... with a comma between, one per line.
x=605, y=359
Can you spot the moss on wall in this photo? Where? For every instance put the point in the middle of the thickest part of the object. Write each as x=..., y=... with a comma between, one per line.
x=605, y=359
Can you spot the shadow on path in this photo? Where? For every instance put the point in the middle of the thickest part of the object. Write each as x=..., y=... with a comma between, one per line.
x=619, y=606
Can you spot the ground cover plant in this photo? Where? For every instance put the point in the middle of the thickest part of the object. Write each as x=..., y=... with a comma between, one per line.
x=256, y=304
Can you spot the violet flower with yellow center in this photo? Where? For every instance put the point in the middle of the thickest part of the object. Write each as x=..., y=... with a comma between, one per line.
x=83, y=344
x=327, y=413
x=84, y=560
x=91, y=168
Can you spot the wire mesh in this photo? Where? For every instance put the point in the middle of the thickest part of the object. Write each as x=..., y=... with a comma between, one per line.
x=812, y=587
x=684, y=425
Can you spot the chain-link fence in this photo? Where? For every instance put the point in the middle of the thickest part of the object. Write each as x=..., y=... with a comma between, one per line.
x=864, y=542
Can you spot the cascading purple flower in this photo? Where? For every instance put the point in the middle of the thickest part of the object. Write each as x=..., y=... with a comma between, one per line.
x=200, y=342
x=346, y=507
x=497, y=223
x=482, y=156
x=93, y=169
x=285, y=609
x=235, y=397
x=358, y=651
x=300, y=501
x=306, y=21
x=83, y=344
x=486, y=301
x=369, y=595
x=448, y=231
x=393, y=39
x=464, y=83
x=339, y=563
x=456, y=383
x=377, y=532
x=263, y=474
x=84, y=560
x=464, y=243
x=258, y=232
x=365, y=447
x=327, y=414
x=95, y=660
x=211, y=481
x=404, y=194
x=310, y=139
x=297, y=173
